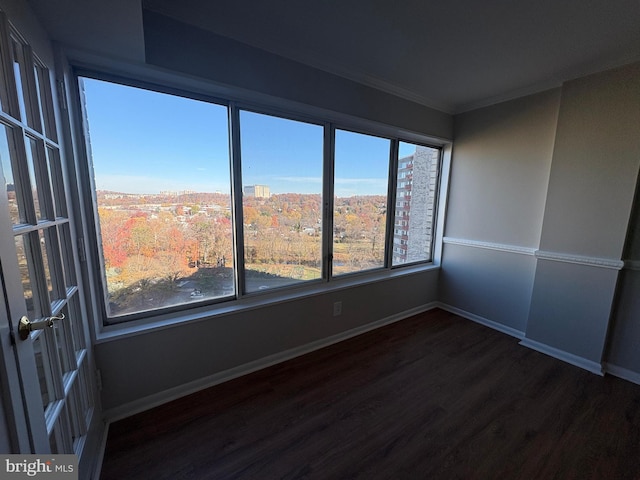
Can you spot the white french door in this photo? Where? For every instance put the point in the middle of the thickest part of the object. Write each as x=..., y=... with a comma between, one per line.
x=51, y=394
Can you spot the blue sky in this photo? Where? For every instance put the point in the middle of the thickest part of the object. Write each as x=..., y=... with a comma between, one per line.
x=147, y=142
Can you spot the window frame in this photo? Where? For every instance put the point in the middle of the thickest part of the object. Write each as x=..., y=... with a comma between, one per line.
x=107, y=327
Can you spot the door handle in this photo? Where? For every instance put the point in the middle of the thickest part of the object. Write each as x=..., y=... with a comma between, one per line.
x=26, y=326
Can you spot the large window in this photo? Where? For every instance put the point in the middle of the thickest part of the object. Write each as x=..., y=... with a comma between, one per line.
x=198, y=202
x=163, y=197
x=416, y=187
x=282, y=200
x=360, y=186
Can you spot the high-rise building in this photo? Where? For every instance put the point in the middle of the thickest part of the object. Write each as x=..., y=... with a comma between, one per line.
x=258, y=191
x=415, y=203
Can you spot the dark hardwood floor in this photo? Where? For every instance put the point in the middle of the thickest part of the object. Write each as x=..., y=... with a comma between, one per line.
x=431, y=397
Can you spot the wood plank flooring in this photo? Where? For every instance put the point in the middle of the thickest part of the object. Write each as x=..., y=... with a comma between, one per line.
x=431, y=397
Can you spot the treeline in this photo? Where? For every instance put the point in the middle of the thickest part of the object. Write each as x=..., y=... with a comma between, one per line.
x=164, y=239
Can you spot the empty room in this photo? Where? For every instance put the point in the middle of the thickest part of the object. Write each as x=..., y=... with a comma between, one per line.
x=318, y=240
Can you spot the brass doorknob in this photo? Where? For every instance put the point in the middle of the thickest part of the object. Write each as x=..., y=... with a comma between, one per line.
x=26, y=326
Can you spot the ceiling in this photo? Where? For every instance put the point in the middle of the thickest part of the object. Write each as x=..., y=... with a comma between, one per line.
x=451, y=55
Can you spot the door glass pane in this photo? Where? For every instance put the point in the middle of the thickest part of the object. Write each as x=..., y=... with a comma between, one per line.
x=415, y=203
x=40, y=184
x=163, y=191
x=282, y=200
x=84, y=387
x=50, y=245
x=4, y=81
x=74, y=320
x=46, y=265
x=43, y=369
x=57, y=184
x=7, y=159
x=66, y=246
x=22, y=247
x=360, y=203
x=22, y=82
x=61, y=335
x=43, y=91
x=60, y=438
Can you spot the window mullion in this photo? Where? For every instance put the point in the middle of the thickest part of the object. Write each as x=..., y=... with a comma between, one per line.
x=327, y=195
x=391, y=202
x=236, y=196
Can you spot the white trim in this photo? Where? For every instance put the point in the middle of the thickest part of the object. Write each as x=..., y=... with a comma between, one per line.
x=156, y=399
x=590, y=365
x=500, y=247
x=580, y=259
x=622, y=373
x=482, y=321
x=632, y=264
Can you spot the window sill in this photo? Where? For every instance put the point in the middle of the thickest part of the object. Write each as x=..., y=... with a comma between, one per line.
x=254, y=301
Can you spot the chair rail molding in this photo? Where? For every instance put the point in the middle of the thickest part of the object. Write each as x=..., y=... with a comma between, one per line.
x=580, y=259
x=501, y=247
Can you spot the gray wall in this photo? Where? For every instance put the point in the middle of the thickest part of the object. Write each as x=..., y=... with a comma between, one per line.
x=500, y=169
x=555, y=173
x=145, y=365
x=590, y=195
x=623, y=351
x=184, y=48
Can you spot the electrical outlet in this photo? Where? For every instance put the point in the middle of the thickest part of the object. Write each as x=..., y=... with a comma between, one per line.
x=337, y=309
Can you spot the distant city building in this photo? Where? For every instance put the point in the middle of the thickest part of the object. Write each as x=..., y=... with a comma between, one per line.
x=258, y=191
x=414, y=213
x=171, y=193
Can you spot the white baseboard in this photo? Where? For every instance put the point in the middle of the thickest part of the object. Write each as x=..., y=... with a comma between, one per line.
x=590, y=365
x=622, y=373
x=481, y=320
x=148, y=402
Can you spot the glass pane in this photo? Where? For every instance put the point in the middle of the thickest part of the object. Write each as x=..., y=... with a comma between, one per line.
x=80, y=405
x=4, y=80
x=7, y=159
x=63, y=341
x=26, y=275
x=43, y=369
x=74, y=320
x=282, y=201
x=66, y=246
x=22, y=84
x=43, y=91
x=163, y=191
x=360, y=204
x=39, y=188
x=46, y=265
x=84, y=388
x=57, y=183
x=64, y=432
x=415, y=203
